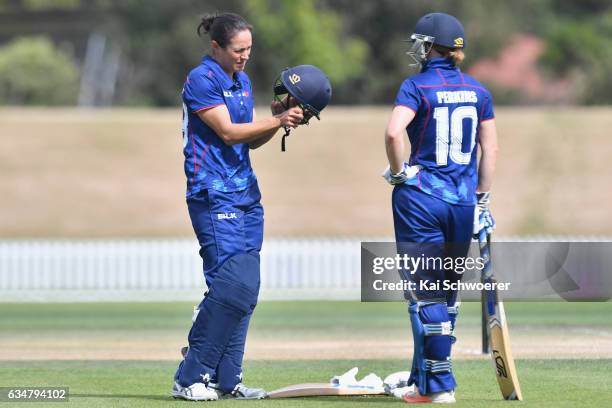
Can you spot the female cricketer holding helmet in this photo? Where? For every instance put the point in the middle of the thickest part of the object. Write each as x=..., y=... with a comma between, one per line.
x=223, y=199
x=446, y=114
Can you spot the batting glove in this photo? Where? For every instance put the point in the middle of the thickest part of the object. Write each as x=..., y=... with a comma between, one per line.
x=406, y=173
x=483, y=220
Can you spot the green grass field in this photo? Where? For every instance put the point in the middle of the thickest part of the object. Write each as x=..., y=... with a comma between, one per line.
x=552, y=383
x=146, y=380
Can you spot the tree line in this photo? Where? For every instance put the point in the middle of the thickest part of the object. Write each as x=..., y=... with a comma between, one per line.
x=358, y=44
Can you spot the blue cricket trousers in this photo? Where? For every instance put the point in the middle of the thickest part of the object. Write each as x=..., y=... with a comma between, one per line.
x=426, y=225
x=227, y=224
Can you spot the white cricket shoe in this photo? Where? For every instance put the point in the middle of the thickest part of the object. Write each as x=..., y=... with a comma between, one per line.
x=195, y=392
x=444, y=397
x=399, y=392
x=240, y=392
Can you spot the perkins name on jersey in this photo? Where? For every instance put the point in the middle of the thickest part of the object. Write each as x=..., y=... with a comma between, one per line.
x=457, y=96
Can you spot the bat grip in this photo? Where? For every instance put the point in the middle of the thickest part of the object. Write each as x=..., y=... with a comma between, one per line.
x=483, y=299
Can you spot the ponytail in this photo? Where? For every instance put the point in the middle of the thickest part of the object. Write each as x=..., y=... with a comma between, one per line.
x=455, y=54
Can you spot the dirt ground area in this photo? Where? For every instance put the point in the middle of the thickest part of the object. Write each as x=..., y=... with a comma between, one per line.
x=567, y=343
x=110, y=173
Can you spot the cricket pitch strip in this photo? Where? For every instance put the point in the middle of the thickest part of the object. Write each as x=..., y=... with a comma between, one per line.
x=568, y=343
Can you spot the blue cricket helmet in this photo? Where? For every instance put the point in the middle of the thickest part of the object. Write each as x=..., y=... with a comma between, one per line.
x=435, y=29
x=308, y=84
x=445, y=29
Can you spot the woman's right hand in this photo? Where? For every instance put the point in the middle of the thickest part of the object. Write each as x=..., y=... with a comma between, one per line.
x=292, y=117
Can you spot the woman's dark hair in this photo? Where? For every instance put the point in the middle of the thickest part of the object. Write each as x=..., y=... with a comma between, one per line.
x=222, y=27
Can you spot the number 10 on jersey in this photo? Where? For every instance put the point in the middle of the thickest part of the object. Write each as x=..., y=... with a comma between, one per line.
x=453, y=147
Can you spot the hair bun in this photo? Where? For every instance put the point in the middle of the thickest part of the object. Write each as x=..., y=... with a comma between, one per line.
x=222, y=27
x=206, y=23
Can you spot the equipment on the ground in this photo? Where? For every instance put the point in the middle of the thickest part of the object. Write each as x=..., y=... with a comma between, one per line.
x=324, y=389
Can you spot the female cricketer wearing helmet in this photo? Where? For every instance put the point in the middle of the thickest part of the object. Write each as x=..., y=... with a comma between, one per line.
x=223, y=199
x=446, y=114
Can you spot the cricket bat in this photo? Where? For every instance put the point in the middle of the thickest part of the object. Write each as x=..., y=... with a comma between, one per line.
x=324, y=389
x=497, y=326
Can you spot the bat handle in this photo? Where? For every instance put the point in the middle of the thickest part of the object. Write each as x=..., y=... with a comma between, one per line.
x=483, y=299
x=485, y=332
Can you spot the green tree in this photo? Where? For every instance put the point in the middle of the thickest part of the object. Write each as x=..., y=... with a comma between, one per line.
x=159, y=45
x=358, y=44
x=34, y=72
x=289, y=33
x=582, y=49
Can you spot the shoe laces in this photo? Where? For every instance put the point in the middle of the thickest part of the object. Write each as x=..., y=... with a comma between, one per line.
x=205, y=379
x=238, y=390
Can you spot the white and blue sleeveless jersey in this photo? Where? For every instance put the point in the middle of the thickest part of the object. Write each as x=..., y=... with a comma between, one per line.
x=209, y=162
x=449, y=107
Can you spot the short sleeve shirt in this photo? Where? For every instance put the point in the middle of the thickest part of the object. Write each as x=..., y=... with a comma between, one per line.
x=209, y=162
x=449, y=107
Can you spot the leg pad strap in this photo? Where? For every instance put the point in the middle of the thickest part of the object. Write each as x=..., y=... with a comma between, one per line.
x=437, y=329
x=438, y=366
x=453, y=312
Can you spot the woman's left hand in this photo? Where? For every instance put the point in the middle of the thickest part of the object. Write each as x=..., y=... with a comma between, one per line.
x=280, y=106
